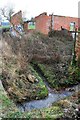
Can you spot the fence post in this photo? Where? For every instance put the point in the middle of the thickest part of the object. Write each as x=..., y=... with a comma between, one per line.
x=74, y=53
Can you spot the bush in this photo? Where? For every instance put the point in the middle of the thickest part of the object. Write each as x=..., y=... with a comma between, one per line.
x=62, y=33
x=78, y=61
x=74, y=73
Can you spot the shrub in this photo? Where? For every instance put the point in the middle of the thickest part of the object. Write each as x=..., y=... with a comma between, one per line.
x=74, y=74
x=78, y=61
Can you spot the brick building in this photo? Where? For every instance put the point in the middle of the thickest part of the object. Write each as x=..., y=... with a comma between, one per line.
x=43, y=22
x=17, y=18
x=29, y=25
x=64, y=22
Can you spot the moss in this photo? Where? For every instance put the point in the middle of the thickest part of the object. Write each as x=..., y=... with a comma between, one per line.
x=42, y=92
x=6, y=105
x=10, y=111
x=74, y=73
x=20, y=88
x=47, y=113
x=49, y=75
x=53, y=78
x=13, y=115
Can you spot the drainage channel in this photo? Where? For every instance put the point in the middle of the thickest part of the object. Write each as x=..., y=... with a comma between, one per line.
x=51, y=98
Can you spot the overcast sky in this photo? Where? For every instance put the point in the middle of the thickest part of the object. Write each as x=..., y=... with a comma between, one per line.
x=33, y=8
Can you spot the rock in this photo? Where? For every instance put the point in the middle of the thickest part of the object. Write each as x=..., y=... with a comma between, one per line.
x=31, y=78
x=36, y=80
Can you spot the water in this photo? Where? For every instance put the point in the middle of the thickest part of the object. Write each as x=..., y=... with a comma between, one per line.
x=44, y=103
x=51, y=98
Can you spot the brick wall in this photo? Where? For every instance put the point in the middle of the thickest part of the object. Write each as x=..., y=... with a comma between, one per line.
x=64, y=22
x=16, y=18
x=43, y=23
x=25, y=26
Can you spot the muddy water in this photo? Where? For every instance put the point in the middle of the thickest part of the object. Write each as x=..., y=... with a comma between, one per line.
x=44, y=103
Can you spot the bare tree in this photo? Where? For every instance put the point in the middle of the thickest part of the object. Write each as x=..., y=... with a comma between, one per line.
x=7, y=12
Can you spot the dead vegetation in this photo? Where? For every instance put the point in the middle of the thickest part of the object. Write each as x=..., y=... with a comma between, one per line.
x=18, y=78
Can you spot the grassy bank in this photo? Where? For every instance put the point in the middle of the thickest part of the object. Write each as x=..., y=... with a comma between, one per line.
x=63, y=109
x=55, y=79
x=10, y=111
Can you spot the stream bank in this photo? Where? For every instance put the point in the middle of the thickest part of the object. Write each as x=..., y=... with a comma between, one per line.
x=48, y=101
x=57, y=110
x=53, y=96
x=16, y=83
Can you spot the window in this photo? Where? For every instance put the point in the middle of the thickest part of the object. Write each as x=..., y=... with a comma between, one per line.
x=31, y=25
x=72, y=26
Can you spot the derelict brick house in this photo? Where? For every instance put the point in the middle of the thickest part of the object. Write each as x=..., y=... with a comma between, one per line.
x=43, y=22
x=17, y=18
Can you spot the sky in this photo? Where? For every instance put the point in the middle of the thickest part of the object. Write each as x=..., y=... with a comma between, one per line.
x=32, y=8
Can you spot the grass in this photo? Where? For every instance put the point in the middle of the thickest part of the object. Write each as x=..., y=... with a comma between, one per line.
x=20, y=88
x=10, y=111
x=47, y=113
x=51, y=77
x=52, y=112
x=49, y=74
x=43, y=91
x=6, y=105
x=74, y=72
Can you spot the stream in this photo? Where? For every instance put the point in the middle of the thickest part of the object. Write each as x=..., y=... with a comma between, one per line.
x=51, y=98
x=47, y=102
